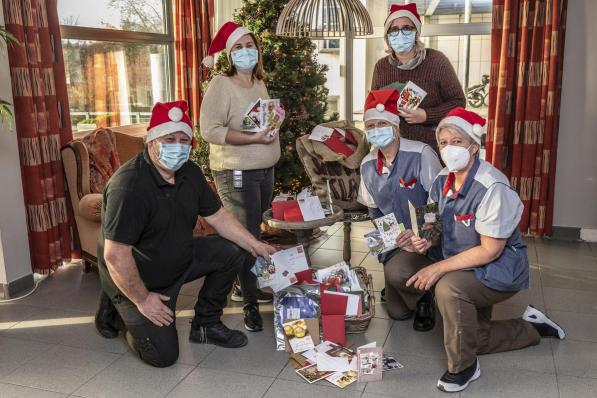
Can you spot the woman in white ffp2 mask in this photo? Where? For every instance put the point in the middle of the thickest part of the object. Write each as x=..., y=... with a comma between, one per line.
x=485, y=259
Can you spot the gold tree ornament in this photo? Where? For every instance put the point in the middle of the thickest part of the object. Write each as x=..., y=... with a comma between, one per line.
x=324, y=19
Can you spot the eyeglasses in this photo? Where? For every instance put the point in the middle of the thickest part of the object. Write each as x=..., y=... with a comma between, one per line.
x=405, y=29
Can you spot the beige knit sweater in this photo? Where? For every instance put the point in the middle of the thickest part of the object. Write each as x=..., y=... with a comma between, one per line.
x=223, y=107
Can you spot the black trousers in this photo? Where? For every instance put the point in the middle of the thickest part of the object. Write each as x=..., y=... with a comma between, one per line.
x=247, y=204
x=219, y=260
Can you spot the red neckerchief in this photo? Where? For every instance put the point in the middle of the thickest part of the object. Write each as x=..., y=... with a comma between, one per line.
x=407, y=184
x=449, y=184
x=379, y=162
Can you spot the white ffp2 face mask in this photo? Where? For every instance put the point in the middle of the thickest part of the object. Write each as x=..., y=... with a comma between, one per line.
x=455, y=157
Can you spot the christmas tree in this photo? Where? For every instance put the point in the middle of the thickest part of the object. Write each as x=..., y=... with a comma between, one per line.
x=294, y=76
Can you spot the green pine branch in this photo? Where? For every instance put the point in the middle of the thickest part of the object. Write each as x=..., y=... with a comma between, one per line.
x=6, y=114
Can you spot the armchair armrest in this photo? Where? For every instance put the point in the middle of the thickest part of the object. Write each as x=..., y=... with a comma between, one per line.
x=90, y=207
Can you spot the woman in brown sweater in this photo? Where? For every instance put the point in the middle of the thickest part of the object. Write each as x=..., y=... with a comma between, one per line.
x=429, y=69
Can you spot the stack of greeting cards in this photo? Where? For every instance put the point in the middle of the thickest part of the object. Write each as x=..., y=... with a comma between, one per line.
x=383, y=239
x=342, y=366
x=262, y=114
x=411, y=96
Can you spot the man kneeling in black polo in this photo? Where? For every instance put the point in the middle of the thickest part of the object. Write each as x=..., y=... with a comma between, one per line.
x=147, y=251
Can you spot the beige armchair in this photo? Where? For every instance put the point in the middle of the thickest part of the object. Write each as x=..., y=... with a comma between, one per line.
x=86, y=206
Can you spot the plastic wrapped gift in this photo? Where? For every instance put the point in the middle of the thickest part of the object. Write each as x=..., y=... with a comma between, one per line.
x=294, y=302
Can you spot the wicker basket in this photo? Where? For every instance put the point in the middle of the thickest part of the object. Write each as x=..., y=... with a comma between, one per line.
x=360, y=323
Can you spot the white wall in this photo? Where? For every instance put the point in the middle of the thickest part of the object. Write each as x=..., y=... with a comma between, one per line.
x=576, y=176
x=14, y=244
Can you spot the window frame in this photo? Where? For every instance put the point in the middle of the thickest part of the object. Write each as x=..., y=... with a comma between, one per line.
x=70, y=32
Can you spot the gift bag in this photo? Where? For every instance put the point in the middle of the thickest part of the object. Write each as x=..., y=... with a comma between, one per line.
x=324, y=165
x=294, y=302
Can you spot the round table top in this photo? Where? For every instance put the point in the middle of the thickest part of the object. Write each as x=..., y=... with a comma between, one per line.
x=336, y=216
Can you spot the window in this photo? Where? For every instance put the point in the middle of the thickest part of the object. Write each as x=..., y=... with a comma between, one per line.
x=458, y=28
x=118, y=58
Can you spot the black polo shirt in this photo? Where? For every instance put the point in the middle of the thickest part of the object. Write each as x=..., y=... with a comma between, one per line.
x=157, y=218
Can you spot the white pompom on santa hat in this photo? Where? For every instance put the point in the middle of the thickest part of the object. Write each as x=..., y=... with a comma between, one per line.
x=228, y=34
x=168, y=118
x=471, y=123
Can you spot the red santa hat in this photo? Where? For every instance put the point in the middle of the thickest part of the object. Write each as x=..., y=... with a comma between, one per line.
x=168, y=118
x=408, y=10
x=382, y=104
x=228, y=34
x=471, y=123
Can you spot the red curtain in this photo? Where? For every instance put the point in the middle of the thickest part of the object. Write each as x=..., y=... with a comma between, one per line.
x=42, y=124
x=193, y=21
x=527, y=44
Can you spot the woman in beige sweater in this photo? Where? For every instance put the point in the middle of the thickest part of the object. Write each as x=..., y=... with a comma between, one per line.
x=241, y=163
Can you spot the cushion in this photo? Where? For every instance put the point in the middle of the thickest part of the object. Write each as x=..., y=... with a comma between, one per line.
x=103, y=157
x=90, y=207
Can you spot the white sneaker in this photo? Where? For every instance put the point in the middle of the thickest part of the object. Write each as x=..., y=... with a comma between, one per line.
x=545, y=326
x=454, y=382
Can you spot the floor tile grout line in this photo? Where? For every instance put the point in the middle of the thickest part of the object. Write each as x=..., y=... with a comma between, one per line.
x=100, y=371
x=34, y=388
x=181, y=380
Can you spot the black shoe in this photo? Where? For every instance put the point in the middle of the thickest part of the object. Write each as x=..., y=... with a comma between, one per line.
x=219, y=335
x=425, y=314
x=454, y=382
x=545, y=326
x=253, y=320
x=107, y=319
x=262, y=297
x=383, y=295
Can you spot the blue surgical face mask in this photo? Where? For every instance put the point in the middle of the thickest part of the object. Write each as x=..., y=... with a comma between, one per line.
x=173, y=156
x=402, y=42
x=380, y=137
x=245, y=58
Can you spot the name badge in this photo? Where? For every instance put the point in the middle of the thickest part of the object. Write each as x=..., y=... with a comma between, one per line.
x=237, y=178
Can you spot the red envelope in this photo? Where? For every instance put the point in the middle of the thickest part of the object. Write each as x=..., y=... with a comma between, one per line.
x=293, y=214
x=350, y=138
x=332, y=304
x=336, y=145
x=305, y=276
x=333, y=328
x=279, y=207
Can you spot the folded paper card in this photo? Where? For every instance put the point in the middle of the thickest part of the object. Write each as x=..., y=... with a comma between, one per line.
x=310, y=208
x=298, y=335
x=370, y=364
x=334, y=328
x=278, y=208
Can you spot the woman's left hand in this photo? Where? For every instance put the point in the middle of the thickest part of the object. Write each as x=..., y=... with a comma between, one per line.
x=426, y=277
x=416, y=116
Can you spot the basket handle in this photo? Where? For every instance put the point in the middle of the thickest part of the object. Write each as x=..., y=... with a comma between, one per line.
x=372, y=297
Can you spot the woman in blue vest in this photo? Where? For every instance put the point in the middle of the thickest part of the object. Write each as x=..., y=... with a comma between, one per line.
x=395, y=172
x=485, y=259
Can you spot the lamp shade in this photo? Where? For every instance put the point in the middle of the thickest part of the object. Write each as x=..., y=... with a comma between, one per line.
x=324, y=19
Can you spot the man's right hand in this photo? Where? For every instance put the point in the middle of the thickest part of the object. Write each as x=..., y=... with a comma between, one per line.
x=156, y=311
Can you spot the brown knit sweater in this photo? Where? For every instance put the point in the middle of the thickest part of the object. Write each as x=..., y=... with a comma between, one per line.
x=436, y=76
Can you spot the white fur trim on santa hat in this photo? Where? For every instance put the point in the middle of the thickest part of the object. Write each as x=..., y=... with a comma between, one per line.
x=473, y=131
x=168, y=128
x=234, y=36
x=402, y=13
x=374, y=113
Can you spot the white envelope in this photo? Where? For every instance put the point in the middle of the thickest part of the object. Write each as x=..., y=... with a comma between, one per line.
x=326, y=363
x=321, y=133
x=311, y=208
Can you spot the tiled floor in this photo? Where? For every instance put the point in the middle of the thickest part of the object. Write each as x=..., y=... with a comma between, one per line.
x=49, y=348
